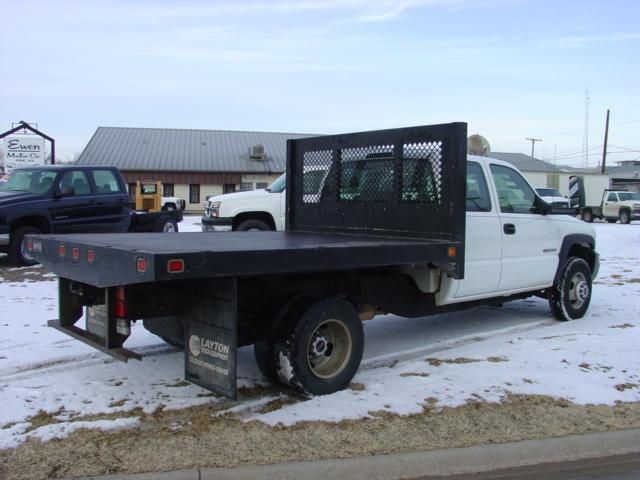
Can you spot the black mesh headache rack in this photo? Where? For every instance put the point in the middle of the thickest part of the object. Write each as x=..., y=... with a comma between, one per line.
x=354, y=201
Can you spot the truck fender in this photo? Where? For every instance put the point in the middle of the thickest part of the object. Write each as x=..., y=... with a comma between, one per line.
x=37, y=218
x=576, y=245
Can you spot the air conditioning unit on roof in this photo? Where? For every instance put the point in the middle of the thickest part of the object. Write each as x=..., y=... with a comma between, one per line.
x=256, y=152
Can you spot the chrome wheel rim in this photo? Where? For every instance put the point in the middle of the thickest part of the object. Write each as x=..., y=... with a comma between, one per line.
x=24, y=251
x=169, y=227
x=329, y=349
x=578, y=290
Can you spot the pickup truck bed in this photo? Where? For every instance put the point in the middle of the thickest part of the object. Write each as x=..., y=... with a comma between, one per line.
x=232, y=254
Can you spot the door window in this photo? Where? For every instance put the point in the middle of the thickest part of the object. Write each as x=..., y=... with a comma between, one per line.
x=106, y=181
x=478, y=199
x=77, y=180
x=612, y=197
x=514, y=193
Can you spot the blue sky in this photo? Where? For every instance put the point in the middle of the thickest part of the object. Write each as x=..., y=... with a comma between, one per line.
x=510, y=68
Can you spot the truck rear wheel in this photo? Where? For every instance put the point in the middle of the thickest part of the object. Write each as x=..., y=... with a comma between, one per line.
x=587, y=216
x=18, y=253
x=570, y=296
x=320, y=352
x=624, y=216
x=165, y=225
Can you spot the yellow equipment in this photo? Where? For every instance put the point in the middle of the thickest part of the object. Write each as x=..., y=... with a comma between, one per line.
x=148, y=196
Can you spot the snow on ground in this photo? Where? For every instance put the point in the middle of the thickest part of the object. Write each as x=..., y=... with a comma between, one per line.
x=481, y=354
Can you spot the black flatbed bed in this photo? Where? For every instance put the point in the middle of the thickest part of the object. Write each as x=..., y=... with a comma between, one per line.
x=228, y=254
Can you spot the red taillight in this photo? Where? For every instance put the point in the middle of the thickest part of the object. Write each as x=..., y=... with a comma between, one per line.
x=61, y=250
x=91, y=257
x=141, y=264
x=75, y=253
x=175, y=265
x=30, y=245
x=120, y=307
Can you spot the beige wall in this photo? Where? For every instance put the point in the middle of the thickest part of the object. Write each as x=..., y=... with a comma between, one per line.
x=537, y=179
x=257, y=178
x=182, y=190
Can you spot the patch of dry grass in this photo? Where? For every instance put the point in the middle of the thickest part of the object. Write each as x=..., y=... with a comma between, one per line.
x=194, y=437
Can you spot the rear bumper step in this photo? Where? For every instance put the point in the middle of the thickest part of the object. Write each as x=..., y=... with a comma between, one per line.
x=120, y=353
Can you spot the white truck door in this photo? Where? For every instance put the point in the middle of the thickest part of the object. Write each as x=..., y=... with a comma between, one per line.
x=530, y=241
x=610, y=205
x=483, y=244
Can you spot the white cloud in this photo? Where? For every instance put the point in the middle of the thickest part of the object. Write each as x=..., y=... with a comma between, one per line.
x=578, y=41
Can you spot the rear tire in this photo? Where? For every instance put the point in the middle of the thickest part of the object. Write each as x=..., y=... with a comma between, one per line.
x=320, y=352
x=624, y=216
x=587, y=216
x=570, y=296
x=253, y=225
x=165, y=225
x=18, y=254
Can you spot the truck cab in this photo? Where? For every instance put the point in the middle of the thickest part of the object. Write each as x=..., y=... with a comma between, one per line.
x=513, y=242
x=620, y=205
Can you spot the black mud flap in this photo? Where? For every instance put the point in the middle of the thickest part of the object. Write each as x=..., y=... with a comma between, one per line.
x=211, y=336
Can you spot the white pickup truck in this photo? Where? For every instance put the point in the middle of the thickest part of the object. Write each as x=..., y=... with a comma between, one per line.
x=404, y=222
x=258, y=209
x=511, y=246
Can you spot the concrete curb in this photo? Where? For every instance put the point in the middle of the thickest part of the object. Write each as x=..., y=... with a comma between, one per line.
x=454, y=461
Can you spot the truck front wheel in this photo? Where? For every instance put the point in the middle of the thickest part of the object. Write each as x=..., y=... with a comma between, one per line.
x=18, y=253
x=320, y=352
x=253, y=225
x=570, y=295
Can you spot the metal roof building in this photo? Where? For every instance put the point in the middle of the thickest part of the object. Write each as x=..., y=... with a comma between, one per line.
x=191, y=162
x=165, y=149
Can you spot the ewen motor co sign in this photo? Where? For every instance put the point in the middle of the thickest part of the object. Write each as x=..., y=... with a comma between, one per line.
x=22, y=149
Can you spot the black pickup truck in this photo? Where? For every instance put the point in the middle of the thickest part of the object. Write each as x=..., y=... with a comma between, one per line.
x=69, y=199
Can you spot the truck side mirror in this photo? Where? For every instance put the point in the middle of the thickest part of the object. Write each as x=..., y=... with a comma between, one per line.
x=64, y=192
x=541, y=206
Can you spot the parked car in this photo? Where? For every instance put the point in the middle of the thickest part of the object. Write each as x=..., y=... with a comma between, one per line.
x=553, y=197
x=69, y=199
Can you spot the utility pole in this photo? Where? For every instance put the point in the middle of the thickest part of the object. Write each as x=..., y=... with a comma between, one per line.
x=533, y=142
x=604, y=149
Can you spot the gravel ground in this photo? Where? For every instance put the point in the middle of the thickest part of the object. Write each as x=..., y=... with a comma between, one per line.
x=197, y=437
